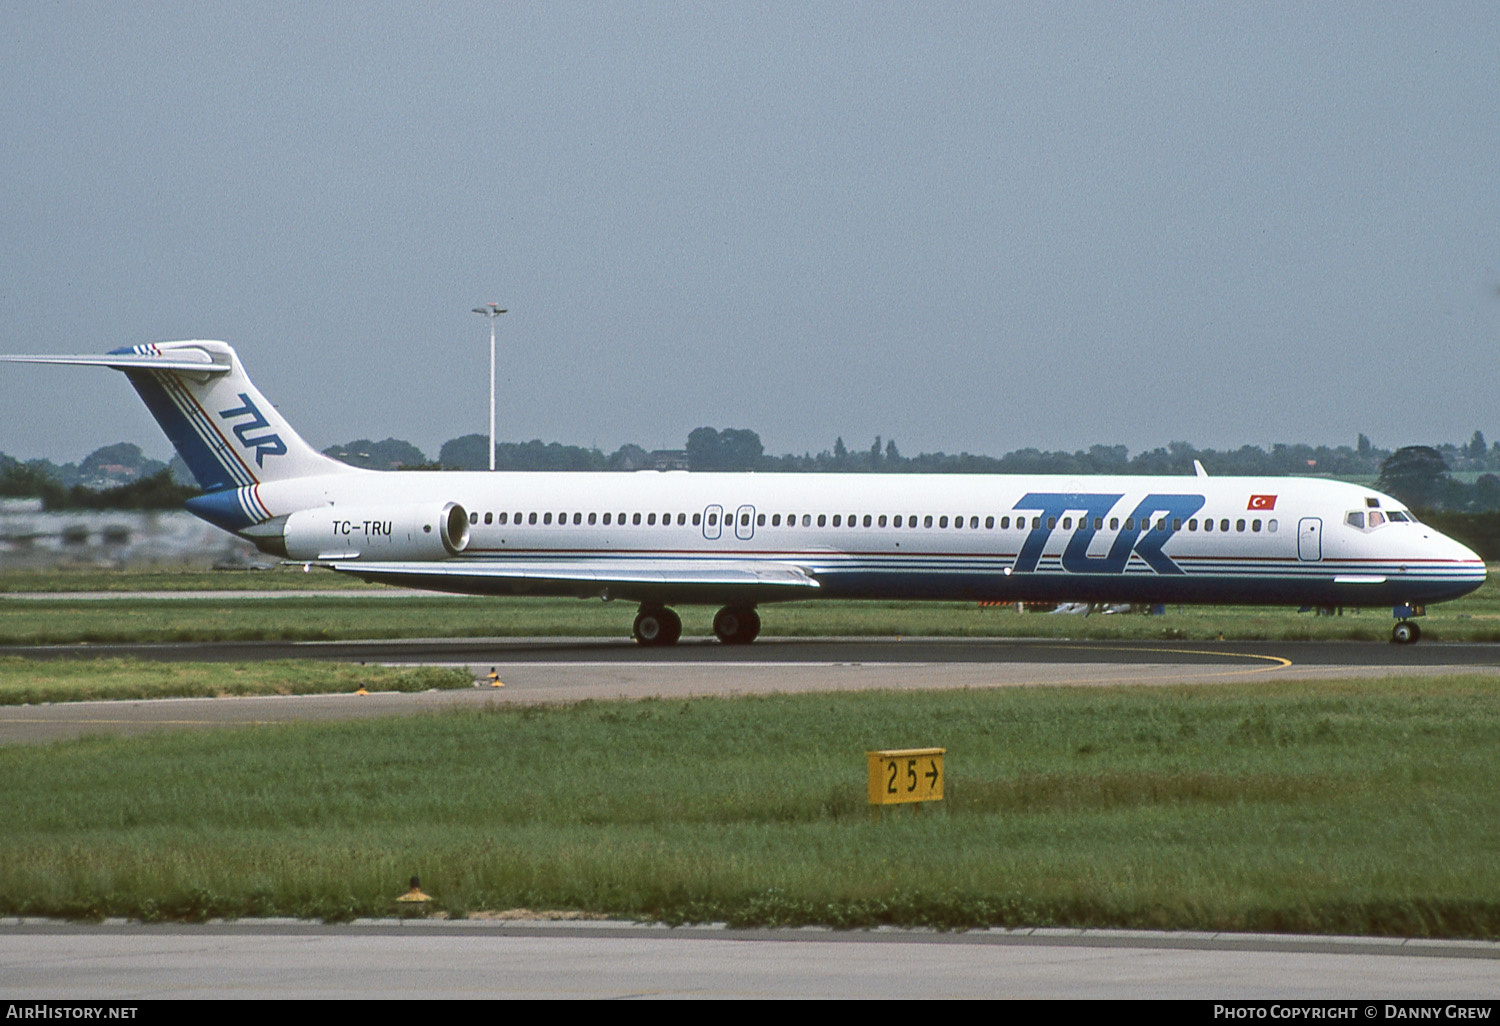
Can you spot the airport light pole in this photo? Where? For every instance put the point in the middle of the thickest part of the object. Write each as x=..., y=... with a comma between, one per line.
x=491, y=311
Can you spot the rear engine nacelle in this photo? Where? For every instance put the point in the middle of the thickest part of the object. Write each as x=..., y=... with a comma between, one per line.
x=429, y=531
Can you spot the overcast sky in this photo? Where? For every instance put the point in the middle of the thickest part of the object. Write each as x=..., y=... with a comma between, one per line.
x=968, y=227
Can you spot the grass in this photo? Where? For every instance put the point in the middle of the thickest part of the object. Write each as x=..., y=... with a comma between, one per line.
x=343, y=610
x=66, y=578
x=1329, y=807
x=24, y=681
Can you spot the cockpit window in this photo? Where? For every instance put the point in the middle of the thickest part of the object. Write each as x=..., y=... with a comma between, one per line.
x=1368, y=521
x=1398, y=517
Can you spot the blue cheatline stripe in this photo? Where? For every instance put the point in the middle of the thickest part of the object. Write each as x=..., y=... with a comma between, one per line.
x=1283, y=570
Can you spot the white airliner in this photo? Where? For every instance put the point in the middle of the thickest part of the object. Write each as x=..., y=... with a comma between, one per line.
x=738, y=540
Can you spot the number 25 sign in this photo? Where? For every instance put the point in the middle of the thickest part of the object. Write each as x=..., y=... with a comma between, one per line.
x=901, y=775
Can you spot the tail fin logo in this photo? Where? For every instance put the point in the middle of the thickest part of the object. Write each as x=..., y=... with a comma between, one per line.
x=264, y=445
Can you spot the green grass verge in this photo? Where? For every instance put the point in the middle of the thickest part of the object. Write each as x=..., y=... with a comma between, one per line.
x=25, y=681
x=1328, y=807
x=91, y=578
x=336, y=616
x=340, y=614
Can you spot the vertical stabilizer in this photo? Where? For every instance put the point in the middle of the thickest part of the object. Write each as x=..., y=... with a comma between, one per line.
x=230, y=436
x=227, y=433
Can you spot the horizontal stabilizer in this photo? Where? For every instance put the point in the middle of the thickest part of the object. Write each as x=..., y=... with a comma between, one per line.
x=201, y=362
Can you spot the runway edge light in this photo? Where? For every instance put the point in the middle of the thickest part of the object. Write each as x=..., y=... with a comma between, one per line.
x=415, y=894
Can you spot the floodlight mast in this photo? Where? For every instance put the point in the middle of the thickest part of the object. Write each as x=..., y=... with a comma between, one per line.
x=491, y=310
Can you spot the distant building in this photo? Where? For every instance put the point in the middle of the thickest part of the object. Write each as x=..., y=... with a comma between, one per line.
x=669, y=459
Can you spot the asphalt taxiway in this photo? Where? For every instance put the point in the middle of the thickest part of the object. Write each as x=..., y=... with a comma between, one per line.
x=556, y=670
x=477, y=958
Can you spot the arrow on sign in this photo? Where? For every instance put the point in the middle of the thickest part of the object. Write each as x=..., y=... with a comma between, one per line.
x=932, y=775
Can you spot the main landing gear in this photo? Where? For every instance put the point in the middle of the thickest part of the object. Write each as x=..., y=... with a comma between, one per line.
x=737, y=625
x=657, y=625
x=733, y=625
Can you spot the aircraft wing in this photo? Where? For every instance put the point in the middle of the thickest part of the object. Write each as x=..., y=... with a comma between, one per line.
x=646, y=578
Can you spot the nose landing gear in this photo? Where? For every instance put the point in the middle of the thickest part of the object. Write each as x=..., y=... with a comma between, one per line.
x=1405, y=632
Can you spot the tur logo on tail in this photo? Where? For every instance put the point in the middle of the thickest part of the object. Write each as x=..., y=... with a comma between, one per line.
x=264, y=445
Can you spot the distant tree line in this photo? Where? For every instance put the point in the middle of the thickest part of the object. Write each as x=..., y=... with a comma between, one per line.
x=1456, y=479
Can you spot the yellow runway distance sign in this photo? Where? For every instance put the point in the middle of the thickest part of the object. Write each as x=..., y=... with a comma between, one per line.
x=900, y=775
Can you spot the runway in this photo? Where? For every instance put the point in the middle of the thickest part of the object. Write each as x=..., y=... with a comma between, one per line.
x=555, y=670
x=392, y=959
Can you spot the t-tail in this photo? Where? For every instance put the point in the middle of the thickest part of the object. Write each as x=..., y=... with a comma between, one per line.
x=229, y=435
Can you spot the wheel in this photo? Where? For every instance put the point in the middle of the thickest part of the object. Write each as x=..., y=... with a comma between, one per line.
x=1405, y=633
x=736, y=626
x=657, y=627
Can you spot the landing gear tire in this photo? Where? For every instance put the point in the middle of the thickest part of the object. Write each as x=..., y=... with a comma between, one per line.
x=736, y=625
x=1405, y=633
x=657, y=626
